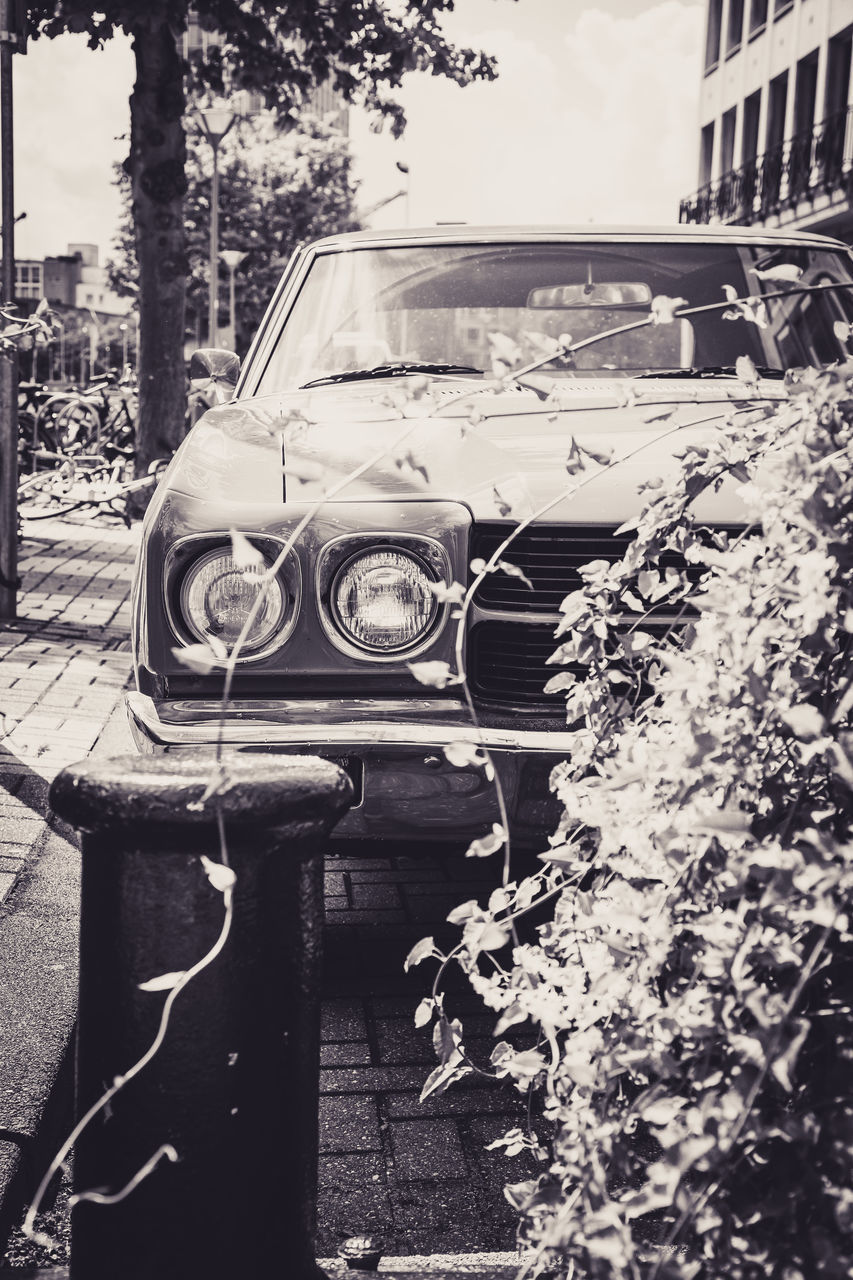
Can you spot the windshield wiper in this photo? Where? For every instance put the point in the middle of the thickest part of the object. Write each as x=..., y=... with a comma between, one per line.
x=711, y=371
x=395, y=370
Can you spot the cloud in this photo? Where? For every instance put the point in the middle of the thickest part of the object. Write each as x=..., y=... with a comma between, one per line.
x=598, y=124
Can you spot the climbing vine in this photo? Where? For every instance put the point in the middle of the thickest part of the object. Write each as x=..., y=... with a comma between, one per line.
x=682, y=1013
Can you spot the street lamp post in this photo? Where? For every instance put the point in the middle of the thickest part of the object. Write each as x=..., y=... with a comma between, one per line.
x=61, y=327
x=232, y=259
x=215, y=123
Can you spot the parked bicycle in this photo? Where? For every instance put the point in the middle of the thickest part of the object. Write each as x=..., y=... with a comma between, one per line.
x=83, y=420
x=86, y=481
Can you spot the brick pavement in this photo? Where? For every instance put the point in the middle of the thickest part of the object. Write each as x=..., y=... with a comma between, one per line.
x=416, y=1174
x=64, y=662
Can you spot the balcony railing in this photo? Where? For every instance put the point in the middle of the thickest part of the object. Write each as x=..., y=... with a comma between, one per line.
x=818, y=160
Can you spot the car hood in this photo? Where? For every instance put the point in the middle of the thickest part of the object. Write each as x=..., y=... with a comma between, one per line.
x=503, y=453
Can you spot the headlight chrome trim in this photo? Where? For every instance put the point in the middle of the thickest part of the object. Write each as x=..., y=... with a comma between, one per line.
x=340, y=552
x=186, y=552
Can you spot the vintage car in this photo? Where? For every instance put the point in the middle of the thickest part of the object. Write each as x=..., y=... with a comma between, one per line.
x=407, y=401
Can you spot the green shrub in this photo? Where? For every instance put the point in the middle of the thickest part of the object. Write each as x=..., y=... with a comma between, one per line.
x=690, y=990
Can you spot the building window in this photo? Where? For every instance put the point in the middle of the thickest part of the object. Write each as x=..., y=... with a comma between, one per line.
x=706, y=154
x=735, y=32
x=751, y=117
x=28, y=280
x=727, y=141
x=838, y=73
x=782, y=6
x=776, y=107
x=805, y=93
x=712, y=44
x=757, y=16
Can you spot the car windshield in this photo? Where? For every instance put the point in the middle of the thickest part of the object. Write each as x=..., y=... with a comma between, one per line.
x=488, y=306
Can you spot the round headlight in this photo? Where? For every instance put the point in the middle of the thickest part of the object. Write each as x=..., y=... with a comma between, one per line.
x=381, y=600
x=217, y=596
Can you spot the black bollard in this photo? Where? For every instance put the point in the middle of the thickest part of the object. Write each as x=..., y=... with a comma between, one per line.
x=233, y=1092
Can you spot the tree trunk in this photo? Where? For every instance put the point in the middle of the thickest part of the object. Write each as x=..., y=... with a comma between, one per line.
x=158, y=183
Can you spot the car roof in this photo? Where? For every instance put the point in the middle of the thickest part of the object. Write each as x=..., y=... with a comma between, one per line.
x=459, y=232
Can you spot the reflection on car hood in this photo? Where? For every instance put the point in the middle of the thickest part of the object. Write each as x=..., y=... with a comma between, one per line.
x=502, y=453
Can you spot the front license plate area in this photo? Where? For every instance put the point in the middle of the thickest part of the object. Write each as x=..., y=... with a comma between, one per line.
x=353, y=767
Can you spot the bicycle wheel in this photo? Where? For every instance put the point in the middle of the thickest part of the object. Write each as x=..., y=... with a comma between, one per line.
x=77, y=427
x=28, y=439
x=47, y=416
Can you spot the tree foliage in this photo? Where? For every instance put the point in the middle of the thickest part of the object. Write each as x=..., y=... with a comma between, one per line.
x=689, y=992
x=277, y=189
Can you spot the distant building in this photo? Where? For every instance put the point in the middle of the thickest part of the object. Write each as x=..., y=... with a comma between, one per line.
x=73, y=279
x=776, y=116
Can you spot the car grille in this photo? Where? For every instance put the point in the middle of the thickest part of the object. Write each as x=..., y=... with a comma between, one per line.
x=551, y=557
x=507, y=663
x=507, y=659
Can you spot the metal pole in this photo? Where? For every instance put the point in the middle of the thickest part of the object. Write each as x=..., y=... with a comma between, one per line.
x=213, y=311
x=233, y=1089
x=232, y=306
x=8, y=358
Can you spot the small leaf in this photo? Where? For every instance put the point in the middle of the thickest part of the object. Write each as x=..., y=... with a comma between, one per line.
x=448, y=592
x=487, y=845
x=842, y=330
x=563, y=855
x=510, y=1018
x=663, y=309
x=411, y=462
x=424, y=1011
x=461, y=754
x=417, y=386
x=420, y=951
x=805, y=720
x=784, y=271
x=442, y=1076
x=564, y=680
x=218, y=647
x=513, y=571
x=659, y=414
x=501, y=503
x=746, y=370
x=436, y=674
x=602, y=456
x=465, y=911
x=200, y=658
x=243, y=553
x=220, y=876
x=493, y=937
x=447, y=1039
x=165, y=982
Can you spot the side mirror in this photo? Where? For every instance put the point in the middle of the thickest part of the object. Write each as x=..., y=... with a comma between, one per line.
x=214, y=374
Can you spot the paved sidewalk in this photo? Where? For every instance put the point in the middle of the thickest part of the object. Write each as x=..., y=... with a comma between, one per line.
x=63, y=665
x=417, y=1175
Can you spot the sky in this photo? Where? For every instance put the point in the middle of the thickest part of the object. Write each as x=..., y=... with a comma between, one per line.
x=593, y=118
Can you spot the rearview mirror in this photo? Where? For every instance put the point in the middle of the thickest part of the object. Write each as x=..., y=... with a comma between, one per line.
x=214, y=374
x=615, y=293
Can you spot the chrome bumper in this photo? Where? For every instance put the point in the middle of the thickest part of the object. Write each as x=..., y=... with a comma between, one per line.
x=272, y=726
x=393, y=749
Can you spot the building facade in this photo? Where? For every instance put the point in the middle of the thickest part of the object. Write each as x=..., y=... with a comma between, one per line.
x=776, y=116
x=72, y=279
